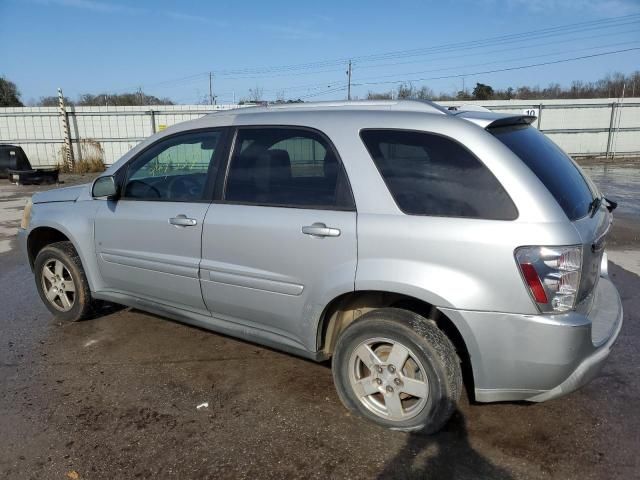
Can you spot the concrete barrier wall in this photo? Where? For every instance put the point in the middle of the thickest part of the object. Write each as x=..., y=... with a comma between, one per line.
x=581, y=127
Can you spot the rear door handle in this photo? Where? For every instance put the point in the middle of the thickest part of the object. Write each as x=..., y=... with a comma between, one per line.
x=320, y=230
x=183, y=221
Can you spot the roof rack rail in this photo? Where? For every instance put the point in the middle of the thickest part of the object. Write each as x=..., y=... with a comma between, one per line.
x=395, y=105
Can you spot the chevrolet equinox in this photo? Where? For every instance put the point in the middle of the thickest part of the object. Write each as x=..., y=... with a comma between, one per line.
x=408, y=243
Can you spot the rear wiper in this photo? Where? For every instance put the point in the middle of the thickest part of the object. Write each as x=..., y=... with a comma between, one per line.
x=594, y=206
x=611, y=205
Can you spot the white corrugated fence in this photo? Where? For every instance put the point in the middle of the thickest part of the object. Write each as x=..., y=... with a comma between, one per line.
x=589, y=127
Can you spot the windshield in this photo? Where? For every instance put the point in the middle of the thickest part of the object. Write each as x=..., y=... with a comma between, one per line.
x=555, y=169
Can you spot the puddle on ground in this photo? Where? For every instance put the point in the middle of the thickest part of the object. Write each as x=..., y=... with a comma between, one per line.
x=620, y=182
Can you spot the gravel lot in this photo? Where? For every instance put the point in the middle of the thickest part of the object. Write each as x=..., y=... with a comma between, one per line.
x=117, y=397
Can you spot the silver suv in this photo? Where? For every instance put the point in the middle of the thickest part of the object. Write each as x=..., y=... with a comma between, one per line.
x=411, y=245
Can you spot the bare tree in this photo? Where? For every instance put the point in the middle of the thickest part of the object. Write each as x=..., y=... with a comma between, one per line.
x=52, y=101
x=255, y=94
x=609, y=86
x=379, y=96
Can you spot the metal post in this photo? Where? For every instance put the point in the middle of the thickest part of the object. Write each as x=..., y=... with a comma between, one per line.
x=540, y=117
x=64, y=118
x=611, y=121
x=152, y=115
x=617, y=130
x=349, y=84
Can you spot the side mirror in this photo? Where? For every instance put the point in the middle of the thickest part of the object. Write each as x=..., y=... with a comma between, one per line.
x=105, y=187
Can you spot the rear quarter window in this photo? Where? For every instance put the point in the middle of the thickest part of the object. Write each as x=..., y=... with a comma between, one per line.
x=429, y=174
x=554, y=168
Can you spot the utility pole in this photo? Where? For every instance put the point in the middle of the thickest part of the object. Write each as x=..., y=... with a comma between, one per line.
x=349, y=84
x=210, y=88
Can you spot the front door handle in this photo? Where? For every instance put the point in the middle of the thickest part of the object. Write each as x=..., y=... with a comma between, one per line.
x=183, y=221
x=320, y=230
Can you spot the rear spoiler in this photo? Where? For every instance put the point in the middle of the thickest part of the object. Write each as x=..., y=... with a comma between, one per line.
x=493, y=119
x=512, y=120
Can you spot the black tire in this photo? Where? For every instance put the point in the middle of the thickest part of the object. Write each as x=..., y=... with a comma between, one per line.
x=427, y=343
x=82, y=303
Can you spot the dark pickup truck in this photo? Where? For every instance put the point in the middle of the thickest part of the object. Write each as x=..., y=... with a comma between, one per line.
x=15, y=166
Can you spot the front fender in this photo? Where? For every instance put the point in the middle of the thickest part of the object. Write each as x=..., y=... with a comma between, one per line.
x=75, y=221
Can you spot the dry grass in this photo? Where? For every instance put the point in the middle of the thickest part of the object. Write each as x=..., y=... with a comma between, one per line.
x=90, y=159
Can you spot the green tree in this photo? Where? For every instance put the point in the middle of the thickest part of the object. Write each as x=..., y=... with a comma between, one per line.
x=482, y=92
x=9, y=94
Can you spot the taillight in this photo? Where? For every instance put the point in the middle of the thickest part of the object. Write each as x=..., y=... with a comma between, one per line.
x=552, y=275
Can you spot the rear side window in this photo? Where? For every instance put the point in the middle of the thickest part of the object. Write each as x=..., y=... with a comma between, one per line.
x=551, y=165
x=429, y=174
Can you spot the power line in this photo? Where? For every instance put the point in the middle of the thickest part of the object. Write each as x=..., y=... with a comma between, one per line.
x=562, y=30
x=503, y=69
x=327, y=84
x=326, y=88
x=521, y=36
x=520, y=58
x=336, y=70
x=502, y=50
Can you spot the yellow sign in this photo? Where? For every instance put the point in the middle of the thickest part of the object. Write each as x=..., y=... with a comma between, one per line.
x=161, y=127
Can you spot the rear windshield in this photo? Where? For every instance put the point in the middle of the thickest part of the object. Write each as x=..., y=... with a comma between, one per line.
x=551, y=165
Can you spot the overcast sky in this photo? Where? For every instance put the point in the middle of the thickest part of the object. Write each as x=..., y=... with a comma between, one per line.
x=300, y=49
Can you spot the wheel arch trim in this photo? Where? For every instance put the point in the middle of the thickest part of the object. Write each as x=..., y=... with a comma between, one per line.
x=57, y=227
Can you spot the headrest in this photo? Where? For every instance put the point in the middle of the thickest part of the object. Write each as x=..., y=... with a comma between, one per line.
x=281, y=162
x=330, y=165
x=273, y=167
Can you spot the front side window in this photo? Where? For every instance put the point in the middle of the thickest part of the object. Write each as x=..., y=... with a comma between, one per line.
x=428, y=174
x=288, y=167
x=173, y=170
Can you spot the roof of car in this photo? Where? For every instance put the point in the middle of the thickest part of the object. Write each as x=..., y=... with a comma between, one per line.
x=310, y=113
x=386, y=105
x=478, y=115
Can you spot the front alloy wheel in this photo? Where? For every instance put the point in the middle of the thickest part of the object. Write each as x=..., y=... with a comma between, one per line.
x=58, y=285
x=62, y=283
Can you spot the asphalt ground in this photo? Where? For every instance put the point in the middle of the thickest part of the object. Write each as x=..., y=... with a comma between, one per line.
x=117, y=397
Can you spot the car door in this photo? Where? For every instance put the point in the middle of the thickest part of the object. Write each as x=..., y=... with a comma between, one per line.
x=148, y=241
x=282, y=241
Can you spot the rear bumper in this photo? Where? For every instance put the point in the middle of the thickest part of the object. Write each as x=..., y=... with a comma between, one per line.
x=539, y=357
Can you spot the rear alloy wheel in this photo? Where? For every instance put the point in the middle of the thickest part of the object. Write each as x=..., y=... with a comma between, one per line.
x=61, y=282
x=388, y=379
x=397, y=369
